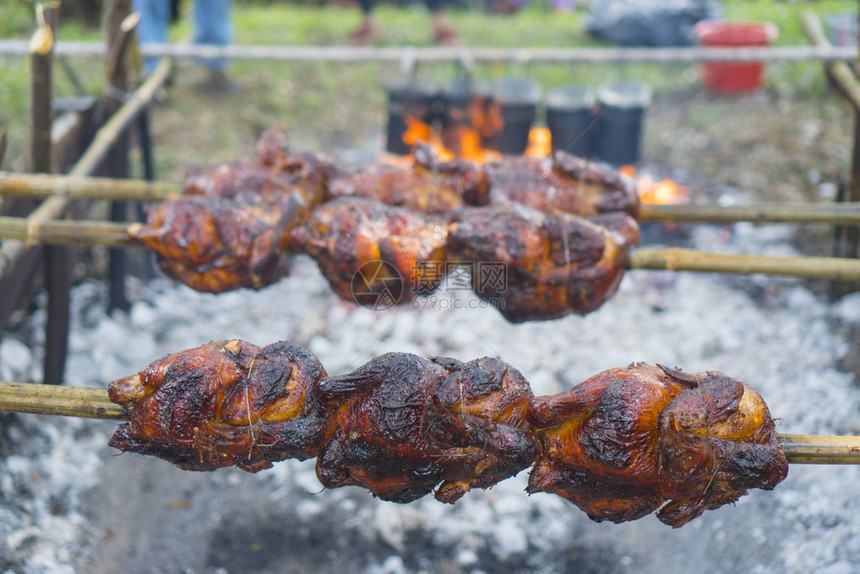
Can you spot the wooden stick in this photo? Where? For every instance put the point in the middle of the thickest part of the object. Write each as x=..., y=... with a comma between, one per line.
x=27, y=185
x=52, y=208
x=669, y=259
x=60, y=232
x=91, y=402
x=41, y=93
x=104, y=139
x=841, y=72
x=833, y=213
x=85, y=402
x=15, y=47
x=819, y=449
x=674, y=259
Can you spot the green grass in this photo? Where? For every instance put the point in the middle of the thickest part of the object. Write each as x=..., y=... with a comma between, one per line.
x=340, y=106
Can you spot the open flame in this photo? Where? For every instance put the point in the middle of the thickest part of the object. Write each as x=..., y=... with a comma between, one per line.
x=462, y=141
x=540, y=143
x=663, y=192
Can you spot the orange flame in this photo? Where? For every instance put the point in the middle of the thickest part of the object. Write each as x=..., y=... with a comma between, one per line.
x=540, y=143
x=663, y=192
x=464, y=142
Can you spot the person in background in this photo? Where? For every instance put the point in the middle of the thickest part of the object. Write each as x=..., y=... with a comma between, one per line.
x=512, y=6
x=212, y=25
x=443, y=32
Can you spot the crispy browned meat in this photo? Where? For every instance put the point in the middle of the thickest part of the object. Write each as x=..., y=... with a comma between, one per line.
x=562, y=183
x=224, y=404
x=429, y=186
x=553, y=264
x=619, y=446
x=241, y=181
x=372, y=253
x=309, y=170
x=214, y=245
x=627, y=440
x=405, y=424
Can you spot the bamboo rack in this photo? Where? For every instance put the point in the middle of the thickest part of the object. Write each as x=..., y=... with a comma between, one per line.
x=675, y=259
x=94, y=403
x=461, y=53
x=72, y=187
x=670, y=259
x=54, y=207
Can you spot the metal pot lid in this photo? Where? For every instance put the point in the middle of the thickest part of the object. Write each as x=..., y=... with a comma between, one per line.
x=572, y=97
x=516, y=90
x=625, y=95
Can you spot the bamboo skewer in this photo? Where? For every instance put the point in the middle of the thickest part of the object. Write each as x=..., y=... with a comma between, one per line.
x=40, y=186
x=820, y=449
x=674, y=259
x=71, y=187
x=63, y=232
x=84, y=402
x=841, y=213
x=669, y=259
x=94, y=403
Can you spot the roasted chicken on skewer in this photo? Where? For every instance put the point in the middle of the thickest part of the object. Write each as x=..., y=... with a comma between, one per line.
x=627, y=440
x=374, y=250
x=429, y=186
x=405, y=426
x=228, y=403
x=556, y=264
x=562, y=182
x=281, y=171
x=371, y=252
x=619, y=446
x=213, y=244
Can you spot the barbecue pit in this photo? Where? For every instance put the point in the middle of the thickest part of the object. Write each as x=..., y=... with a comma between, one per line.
x=760, y=332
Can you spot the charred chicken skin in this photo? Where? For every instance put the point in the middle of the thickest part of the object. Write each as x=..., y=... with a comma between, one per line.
x=246, y=183
x=405, y=424
x=224, y=404
x=556, y=264
x=383, y=236
x=562, y=183
x=429, y=186
x=310, y=171
x=371, y=252
x=621, y=445
x=214, y=245
x=626, y=441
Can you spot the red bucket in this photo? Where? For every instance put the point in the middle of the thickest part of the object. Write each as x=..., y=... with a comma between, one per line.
x=731, y=77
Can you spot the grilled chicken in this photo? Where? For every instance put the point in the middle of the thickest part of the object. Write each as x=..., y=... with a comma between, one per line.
x=621, y=445
x=224, y=404
x=213, y=244
x=562, y=183
x=429, y=186
x=628, y=440
x=371, y=253
x=405, y=425
x=555, y=264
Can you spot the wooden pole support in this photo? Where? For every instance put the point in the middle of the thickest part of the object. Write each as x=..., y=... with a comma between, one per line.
x=674, y=259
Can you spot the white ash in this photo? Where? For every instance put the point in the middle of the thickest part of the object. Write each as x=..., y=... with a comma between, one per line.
x=69, y=505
